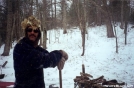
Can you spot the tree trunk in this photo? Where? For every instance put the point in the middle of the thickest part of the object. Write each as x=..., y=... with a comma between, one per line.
x=64, y=17
x=106, y=13
x=31, y=7
x=55, y=21
x=0, y=41
x=81, y=15
x=116, y=39
x=17, y=20
x=8, y=31
x=110, y=32
x=52, y=22
x=98, y=18
x=39, y=15
x=125, y=30
x=41, y=19
x=44, y=30
x=126, y=20
x=122, y=11
x=12, y=30
x=84, y=27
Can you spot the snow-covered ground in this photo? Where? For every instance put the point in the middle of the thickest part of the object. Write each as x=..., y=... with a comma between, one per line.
x=100, y=56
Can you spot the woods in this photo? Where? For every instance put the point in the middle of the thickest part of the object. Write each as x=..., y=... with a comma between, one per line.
x=64, y=14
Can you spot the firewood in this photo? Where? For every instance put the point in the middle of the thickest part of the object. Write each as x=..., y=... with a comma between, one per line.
x=85, y=74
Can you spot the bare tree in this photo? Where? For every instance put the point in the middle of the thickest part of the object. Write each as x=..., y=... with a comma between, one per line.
x=30, y=7
x=44, y=29
x=8, y=31
x=55, y=21
x=108, y=20
x=16, y=18
x=126, y=19
x=80, y=8
x=122, y=14
x=116, y=38
x=64, y=17
x=105, y=10
x=83, y=30
x=98, y=13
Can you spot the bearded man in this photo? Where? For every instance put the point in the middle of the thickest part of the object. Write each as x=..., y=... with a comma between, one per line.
x=30, y=59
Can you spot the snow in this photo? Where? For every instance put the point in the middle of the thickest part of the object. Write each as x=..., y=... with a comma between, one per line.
x=100, y=56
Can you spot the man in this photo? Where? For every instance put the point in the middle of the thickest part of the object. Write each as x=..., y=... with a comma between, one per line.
x=30, y=59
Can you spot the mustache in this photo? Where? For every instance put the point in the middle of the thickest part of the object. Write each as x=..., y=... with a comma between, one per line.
x=32, y=35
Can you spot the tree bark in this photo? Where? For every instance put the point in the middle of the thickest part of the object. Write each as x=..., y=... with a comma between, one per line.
x=44, y=30
x=17, y=27
x=8, y=31
x=98, y=18
x=12, y=30
x=106, y=13
x=55, y=21
x=81, y=15
x=122, y=11
x=110, y=32
x=126, y=20
x=64, y=17
x=84, y=27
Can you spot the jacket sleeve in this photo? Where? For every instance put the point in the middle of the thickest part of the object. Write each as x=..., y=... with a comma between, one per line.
x=28, y=57
x=51, y=58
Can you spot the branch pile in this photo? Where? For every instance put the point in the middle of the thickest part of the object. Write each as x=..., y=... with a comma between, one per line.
x=87, y=81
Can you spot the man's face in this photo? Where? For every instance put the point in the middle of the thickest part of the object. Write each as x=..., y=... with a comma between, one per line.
x=32, y=33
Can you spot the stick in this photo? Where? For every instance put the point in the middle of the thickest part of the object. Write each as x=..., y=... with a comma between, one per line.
x=83, y=68
x=60, y=78
x=4, y=64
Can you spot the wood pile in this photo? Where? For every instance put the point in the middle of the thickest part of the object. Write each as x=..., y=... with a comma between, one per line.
x=86, y=81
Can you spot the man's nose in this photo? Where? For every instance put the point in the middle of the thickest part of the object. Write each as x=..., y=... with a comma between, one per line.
x=32, y=31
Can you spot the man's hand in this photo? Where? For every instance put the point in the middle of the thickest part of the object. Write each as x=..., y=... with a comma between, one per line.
x=61, y=63
x=64, y=54
x=63, y=59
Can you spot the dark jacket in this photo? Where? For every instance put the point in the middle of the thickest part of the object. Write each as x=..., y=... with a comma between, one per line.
x=29, y=63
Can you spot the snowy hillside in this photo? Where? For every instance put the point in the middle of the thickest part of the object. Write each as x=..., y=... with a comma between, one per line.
x=100, y=57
